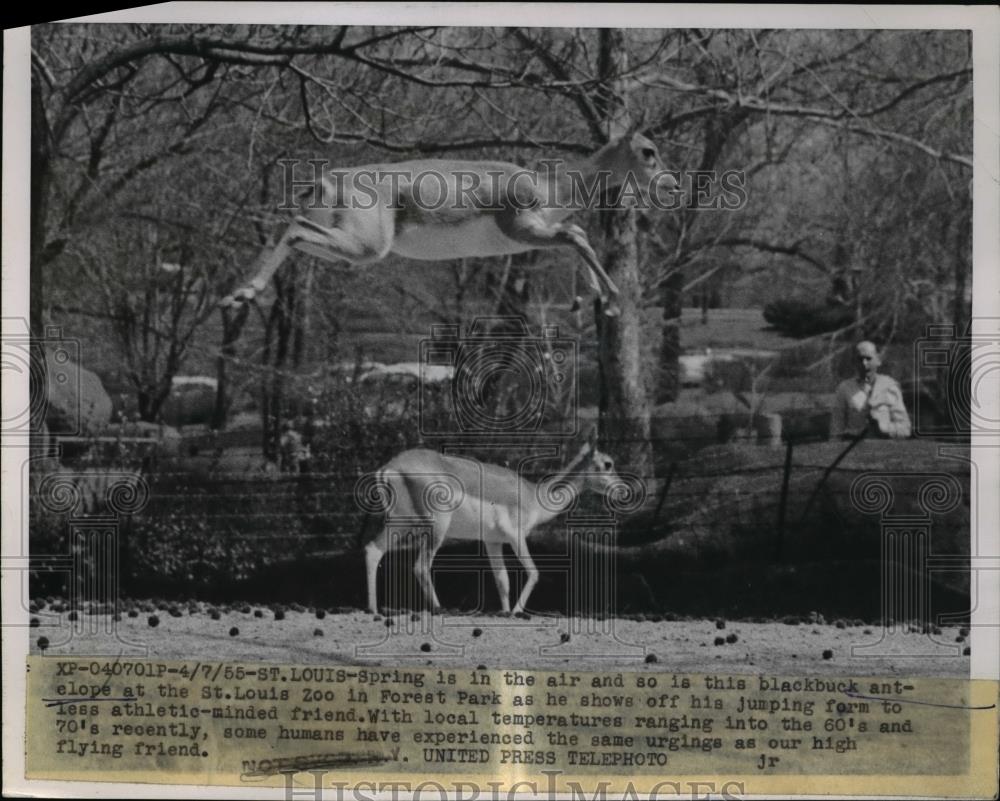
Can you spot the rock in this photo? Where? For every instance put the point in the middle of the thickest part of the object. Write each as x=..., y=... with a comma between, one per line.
x=78, y=403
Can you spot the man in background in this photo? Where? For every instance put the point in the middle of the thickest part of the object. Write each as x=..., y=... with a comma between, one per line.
x=870, y=401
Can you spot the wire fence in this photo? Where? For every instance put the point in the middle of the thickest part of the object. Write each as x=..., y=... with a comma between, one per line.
x=217, y=517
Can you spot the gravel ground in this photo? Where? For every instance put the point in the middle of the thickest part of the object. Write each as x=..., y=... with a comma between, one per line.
x=807, y=646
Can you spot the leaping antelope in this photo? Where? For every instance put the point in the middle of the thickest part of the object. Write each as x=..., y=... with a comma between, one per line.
x=462, y=499
x=439, y=209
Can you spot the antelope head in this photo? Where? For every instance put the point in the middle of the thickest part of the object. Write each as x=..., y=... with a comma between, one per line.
x=597, y=467
x=637, y=157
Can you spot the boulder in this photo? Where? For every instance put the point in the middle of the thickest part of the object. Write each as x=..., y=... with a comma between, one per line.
x=77, y=402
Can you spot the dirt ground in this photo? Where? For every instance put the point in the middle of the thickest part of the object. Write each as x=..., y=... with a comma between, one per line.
x=254, y=634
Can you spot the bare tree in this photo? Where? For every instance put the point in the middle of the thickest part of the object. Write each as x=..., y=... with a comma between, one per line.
x=109, y=112
x=850, y=142
x=810, y=118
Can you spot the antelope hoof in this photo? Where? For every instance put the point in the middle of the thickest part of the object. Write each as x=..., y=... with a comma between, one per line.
x=245, y=295
x=577, y=303
x=611, y=307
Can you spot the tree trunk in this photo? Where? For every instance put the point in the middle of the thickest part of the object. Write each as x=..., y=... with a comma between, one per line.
x=624, y=411
x=232, y=327
x=499, y=391
x=280, y=322
x=265, y=379
x=302, y=317
x=144, y=398
x=668, y=383
x=624, y=404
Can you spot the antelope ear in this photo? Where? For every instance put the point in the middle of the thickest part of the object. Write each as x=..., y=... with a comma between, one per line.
x=588, y=445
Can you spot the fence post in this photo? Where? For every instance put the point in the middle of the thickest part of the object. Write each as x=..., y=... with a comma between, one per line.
x=665, y=490
x=779, y=541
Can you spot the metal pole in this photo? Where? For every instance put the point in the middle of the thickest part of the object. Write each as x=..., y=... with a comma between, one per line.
x=783, y=502
x=665, y=490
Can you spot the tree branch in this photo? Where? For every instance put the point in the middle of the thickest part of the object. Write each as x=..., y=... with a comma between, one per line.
x=794, y=249
x=820, y=115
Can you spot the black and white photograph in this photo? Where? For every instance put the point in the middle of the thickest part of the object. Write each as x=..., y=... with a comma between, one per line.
x=350, y=348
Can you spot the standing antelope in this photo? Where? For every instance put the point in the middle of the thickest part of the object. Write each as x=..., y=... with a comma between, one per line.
x=462, y=499
x=439, y=209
